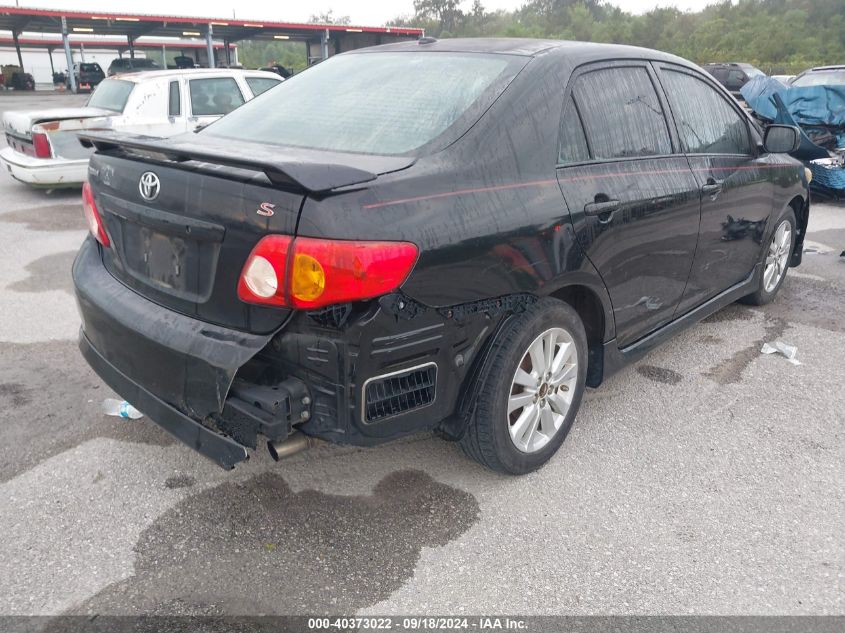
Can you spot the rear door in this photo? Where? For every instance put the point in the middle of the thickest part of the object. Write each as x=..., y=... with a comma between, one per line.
x=736, y=184
x=211, y=98
x=634, y=202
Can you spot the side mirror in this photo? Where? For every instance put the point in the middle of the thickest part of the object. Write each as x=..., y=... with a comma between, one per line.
x=781, y=139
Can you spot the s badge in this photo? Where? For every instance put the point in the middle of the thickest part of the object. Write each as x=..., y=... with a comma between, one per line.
x=266, y=209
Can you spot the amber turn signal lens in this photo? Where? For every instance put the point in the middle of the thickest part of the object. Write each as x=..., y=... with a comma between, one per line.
x=308, y=280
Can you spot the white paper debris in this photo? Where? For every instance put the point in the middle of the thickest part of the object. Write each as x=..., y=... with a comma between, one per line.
x=784, y=349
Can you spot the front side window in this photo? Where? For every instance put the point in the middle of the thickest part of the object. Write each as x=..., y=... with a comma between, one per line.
x=374, y=103
x=215, y=96
x=573, y=143
x=622, y=114
x=706, y=122
x=111, y=94
x=259, y=85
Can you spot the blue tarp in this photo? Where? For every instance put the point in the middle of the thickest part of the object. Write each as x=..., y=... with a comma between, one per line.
x=809, y=105
x=819, y=111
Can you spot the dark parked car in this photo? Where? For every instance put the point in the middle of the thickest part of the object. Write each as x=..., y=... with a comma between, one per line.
x=332, y=261
x=129, y=65
x=87, y=75
x=733, y=76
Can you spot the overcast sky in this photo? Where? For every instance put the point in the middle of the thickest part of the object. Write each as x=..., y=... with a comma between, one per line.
x=362, y=12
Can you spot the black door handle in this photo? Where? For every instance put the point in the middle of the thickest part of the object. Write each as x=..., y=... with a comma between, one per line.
x=712, y=187
x=601, y=208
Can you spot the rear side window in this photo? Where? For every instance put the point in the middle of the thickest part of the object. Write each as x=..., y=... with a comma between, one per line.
x=706, y=122
x=216, y=96
x=622, y=114
x=261, y=84
x=174, y=107
x=573, y=143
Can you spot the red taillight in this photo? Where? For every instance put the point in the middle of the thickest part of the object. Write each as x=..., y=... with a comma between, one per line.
x=41, y=144
x=92, y=216
x=310, y=273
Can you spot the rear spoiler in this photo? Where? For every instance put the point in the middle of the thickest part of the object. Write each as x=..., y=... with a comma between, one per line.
x=314, y=171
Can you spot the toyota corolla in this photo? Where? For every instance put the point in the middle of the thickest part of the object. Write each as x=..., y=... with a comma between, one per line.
x=457, y=236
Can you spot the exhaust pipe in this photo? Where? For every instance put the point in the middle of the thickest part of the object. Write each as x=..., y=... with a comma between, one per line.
x=294, y=443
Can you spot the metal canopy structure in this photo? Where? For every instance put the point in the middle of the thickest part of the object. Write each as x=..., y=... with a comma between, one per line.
x=322, y=39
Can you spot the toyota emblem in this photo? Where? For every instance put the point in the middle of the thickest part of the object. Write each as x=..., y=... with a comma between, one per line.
x=149, y=186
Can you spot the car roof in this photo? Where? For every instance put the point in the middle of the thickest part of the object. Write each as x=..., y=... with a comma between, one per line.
x=526, y=47
x=729, y=65
x=193, y=72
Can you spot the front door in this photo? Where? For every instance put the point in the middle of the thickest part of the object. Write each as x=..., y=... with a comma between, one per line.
x=737, y=190
x=634, y=202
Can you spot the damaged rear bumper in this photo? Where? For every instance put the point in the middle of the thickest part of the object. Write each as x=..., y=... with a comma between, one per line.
x=175, y=369
x=219, y=448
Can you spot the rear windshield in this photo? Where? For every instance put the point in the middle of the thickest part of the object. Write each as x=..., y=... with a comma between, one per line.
x=373, y=103
x=143, y=63
x=111, y=94
x=821, y=78
x=90, y=68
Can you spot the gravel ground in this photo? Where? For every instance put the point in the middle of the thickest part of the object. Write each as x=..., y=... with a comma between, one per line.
x=706, y=479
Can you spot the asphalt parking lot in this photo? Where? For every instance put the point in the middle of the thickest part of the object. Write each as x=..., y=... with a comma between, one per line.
x=706, y=479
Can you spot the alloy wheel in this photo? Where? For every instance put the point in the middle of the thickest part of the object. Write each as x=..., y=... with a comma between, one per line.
x=777, y=259
x=542, y=390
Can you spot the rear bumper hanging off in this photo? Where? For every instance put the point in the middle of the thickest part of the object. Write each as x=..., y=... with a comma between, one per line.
x=224, y=451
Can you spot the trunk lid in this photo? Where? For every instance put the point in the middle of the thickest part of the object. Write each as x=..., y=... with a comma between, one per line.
x=186, y=248
x=19, y=123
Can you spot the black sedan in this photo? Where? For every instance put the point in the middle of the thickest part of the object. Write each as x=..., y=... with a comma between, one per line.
x=456, y=236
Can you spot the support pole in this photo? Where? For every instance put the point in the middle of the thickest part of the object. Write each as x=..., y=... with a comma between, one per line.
x=68, y=56
x=228, y=53
x=131, y=46
x=324, y=44
x=237, y=62
x=163, y=56
x=18, y=48
x=82, y=53
x=52, y=68
x=209, y=45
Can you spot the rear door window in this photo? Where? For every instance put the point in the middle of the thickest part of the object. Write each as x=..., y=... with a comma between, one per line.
x=174, y=107
x=622, y=114
x=706, y=122
x=215, y=96
x=736, y=78
x=261, y=84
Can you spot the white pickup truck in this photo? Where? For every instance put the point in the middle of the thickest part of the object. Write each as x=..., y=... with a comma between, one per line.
x=43, y=149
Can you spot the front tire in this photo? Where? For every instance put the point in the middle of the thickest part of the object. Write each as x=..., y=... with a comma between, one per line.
x=775, y=260
x=531, y=394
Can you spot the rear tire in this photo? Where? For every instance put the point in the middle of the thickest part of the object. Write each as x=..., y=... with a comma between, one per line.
x=775, y=260
x=524, y=413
